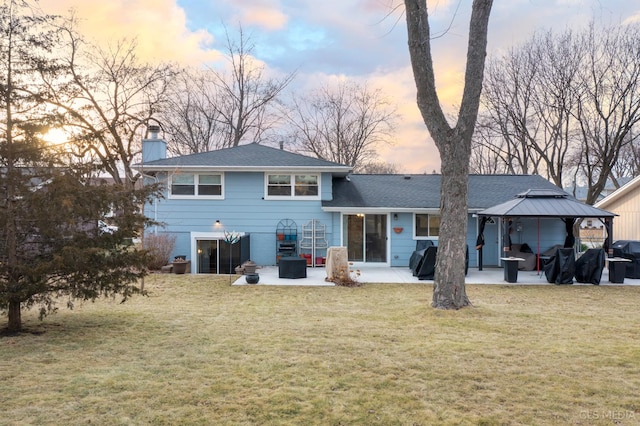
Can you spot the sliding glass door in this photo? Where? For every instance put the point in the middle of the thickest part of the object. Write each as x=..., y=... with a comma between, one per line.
x=365, y=236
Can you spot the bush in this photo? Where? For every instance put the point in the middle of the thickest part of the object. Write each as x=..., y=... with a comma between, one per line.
x=160, y=247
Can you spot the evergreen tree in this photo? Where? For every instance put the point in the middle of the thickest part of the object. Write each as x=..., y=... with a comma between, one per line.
x=50, y=243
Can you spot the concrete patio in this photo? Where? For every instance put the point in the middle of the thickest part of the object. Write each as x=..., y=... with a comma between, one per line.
x=402, y=275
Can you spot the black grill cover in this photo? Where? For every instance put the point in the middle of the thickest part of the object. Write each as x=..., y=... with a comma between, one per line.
x=416, y=260
x=589, y=266
x=423, y=263
x=561, y=267
x=427, y=267
x=629, y=250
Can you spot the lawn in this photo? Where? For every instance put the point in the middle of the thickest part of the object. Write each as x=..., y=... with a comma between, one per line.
x=199, y=351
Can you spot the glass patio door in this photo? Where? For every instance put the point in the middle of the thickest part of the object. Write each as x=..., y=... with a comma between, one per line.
x=365, y=236
x=208, y=258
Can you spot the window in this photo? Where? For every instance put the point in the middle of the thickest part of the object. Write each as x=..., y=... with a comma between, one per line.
x=279, y=185
x=427, y=225
x=186, y=185
x=183, y=185
x=209, y=185
x=286, y=185
x=306, y=185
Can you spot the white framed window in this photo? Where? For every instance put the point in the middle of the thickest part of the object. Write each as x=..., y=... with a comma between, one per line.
x=426, y=225
x=285, y=185
x=197, y=185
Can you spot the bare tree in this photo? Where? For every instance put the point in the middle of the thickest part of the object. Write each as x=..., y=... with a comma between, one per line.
x=345, y=123
x=107, y=101
x=528, y=96
x=453, y=143
x=379, y=168
x=191, y=118
x=610, y=107
x=572, y=110
x=628, y=163
x=218, y=108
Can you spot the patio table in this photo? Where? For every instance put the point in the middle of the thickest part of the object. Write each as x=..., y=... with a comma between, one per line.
x=511, y=268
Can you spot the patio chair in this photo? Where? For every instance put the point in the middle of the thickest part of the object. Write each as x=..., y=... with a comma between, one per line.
x=589, y=266
x=561, y=267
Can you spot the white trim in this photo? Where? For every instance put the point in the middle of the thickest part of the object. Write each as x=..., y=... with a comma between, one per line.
x=261, y=169
x=379, y=210
x=618, y=193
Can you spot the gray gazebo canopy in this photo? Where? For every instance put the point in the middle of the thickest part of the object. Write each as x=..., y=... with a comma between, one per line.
x=545, y=203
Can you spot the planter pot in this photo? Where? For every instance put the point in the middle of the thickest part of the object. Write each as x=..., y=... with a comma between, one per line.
x=252, y=278
x=397, y=230
x=179, y=267
x=249, y=267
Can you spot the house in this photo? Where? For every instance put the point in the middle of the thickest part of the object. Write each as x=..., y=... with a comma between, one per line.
x=280, y=203
x=625, y=202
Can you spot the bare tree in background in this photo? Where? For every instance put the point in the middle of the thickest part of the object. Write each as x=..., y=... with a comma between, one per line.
x=108, y=102
x=379, y=168
x=610, y=107
x=221, y=108
x=565, y=106
x=528, y=96
x=343, y=123
x=454, y=143
x=191, y=120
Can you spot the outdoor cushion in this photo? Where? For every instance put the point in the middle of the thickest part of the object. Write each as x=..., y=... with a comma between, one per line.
x=523, y=251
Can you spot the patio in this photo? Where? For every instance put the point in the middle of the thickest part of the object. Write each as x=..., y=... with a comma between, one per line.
x=402, y=275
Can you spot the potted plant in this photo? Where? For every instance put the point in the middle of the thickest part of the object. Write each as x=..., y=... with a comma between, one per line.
x=180, y=264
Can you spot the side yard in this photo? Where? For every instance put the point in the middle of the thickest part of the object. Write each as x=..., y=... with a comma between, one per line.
x=198, y=351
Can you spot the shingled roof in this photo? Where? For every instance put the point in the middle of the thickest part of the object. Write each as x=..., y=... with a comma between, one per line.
x=252, y=156
x=423, y=191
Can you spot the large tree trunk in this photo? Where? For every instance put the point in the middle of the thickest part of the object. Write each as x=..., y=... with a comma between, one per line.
x=449, y=289
x=15, y=317
x=454, y=144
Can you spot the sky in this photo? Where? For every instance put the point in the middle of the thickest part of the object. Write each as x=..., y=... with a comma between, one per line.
x=328, y=40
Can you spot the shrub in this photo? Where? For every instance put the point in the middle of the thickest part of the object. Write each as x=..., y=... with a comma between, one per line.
x=347, y=277
x=160, y=247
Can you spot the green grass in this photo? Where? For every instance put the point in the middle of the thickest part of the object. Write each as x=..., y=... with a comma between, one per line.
x=198, y=351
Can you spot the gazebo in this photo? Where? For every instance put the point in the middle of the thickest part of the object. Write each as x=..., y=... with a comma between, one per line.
x=543, y=204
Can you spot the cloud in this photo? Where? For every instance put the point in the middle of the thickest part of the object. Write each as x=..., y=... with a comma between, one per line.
x=263, y=13
x=633, y=19
x=159, y=26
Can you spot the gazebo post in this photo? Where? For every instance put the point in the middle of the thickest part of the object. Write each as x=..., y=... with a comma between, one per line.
x=538, y=256
x=608, y=224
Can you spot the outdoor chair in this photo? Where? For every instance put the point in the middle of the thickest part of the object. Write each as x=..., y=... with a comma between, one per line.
x=589, y=266
x=561, y=267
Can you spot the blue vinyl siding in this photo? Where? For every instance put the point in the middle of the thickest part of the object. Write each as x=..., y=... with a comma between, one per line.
x=243, y=209
x=552, y=232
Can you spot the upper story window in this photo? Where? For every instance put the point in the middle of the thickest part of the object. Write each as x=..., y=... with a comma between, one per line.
x=293, y=185
x=186, y=185
x=426, y=225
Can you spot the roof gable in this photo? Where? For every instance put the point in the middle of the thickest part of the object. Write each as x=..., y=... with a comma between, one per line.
x=621, y=192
